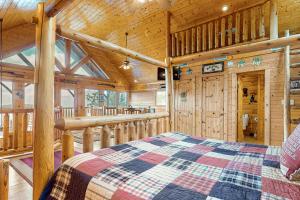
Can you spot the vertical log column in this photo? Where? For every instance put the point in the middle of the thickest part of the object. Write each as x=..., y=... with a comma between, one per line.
x=286, y=100
x=169, y=76
x=43, y=151
x=80, y=102
x=273, y=19
x=4, y=179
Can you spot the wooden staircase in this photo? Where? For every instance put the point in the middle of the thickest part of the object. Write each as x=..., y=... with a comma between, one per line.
x=295, y=93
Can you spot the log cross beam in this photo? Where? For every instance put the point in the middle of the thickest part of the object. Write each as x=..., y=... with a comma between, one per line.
x=233, y=50
x=102, y=44
x=59, y=7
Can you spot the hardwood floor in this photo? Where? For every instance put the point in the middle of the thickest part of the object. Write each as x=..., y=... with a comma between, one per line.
x=19, y=189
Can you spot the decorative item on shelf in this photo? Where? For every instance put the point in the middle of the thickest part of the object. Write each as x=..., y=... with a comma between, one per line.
x=126, y=64
x=230, y=63
x=295, y=84
x=213, y=68
x=245, y=92
x=221, y=58
x=189, y=71
x=252, y=99
x=257, y=60
x=241, y=63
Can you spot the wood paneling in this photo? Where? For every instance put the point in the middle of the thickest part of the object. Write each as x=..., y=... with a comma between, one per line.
x=272, y=65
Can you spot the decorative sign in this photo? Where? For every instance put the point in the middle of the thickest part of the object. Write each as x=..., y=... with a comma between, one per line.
x=213, y=68
x=183, y=96
x=189, y=71
x=295, y=84
x=256, y=60
x=241, y=63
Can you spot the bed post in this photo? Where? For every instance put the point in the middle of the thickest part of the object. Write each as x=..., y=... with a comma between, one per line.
x=43, y=150
x=169, y=76
x=287, y=77
x=273, y=19
x=4, y=174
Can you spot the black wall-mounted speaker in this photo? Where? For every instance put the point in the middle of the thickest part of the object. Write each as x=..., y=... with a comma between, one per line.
x=176, y=73
x=161, y=74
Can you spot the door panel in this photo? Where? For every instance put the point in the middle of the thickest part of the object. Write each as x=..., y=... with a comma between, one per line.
x=213, y=107
x=184, y=106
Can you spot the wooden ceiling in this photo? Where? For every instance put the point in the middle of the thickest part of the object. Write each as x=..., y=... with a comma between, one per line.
x=145, y=23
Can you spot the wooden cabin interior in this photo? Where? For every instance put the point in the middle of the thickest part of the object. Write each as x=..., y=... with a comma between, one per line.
x=82, y=78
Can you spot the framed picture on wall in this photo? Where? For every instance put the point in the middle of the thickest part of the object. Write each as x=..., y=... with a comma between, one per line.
x=213, y=68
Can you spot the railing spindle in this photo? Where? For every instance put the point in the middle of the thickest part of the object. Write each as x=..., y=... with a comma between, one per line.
x=88, y=140
x=117, y=134
x=6, y=131
x=24, y=129
x=106, y=137
x=67, y=145
x=4, y=179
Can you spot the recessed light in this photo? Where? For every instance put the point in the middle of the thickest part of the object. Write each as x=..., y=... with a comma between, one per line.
x=225, y=8
x=135, y=81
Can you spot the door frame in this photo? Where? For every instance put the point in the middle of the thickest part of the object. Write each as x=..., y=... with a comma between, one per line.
x=267, y=104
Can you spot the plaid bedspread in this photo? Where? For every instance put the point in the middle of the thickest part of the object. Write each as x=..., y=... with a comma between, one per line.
x=173, y=166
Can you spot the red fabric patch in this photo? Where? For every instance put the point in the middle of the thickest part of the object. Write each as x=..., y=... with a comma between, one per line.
x=290, y=154
x=147, y=139
x=168, y=140
x=254, y=150
x=94, y=166
x=122, y=195
x=216, y=162
x=279, y=188
x=153, y=158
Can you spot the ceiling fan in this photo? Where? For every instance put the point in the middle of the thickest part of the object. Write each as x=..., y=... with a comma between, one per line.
x=126, y=64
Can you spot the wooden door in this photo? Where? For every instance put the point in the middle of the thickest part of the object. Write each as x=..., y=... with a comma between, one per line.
x=185, y=106
x=213, y=107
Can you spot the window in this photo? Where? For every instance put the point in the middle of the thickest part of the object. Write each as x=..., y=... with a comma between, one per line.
x=29, y=54
x=110, y=98
x=6, y=87
x=94, y=98
x=29, y=96
x=67, y=98
x=161, y=98
x=123, y=99
x=15, y=59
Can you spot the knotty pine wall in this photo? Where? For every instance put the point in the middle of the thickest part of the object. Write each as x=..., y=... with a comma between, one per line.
x=272, y=64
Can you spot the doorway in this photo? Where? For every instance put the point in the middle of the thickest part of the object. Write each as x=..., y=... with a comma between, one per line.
x=251, y=90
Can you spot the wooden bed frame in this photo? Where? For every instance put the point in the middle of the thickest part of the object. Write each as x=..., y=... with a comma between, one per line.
x=44, y=87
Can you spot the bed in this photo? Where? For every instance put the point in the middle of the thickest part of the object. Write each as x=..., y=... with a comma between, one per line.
x=174, y=166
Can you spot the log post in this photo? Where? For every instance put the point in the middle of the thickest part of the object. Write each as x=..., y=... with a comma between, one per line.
x=88, y=140
x=67, y=145
x=105, y=137
x=286, y=100
x=24, y=129
x=142, y=129
x=169, y=74
x=123, y=133
x=132, y=131
x=158, y=126
x=149, y=128
x=4, y=179
x=43, y=151
x=6, y=131
x=273, y=19
x=117, y=134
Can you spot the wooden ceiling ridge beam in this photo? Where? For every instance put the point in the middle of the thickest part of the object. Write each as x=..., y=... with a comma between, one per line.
x=59, y=7
x=99, y=43
x=233, y=50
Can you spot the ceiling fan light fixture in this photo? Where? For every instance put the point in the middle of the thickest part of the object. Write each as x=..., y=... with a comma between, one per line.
x=126, y=64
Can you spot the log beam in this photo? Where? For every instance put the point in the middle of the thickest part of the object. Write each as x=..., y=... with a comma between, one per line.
x=102, y=44
x=59, y=7
x=233, y=50
x=286, y=95
x=273, y=19
x=43, y=152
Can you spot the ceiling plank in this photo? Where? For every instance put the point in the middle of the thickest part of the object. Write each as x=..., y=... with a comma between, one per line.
x=98, y=43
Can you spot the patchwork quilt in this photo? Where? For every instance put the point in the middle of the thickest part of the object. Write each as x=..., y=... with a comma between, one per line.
x=174, y=166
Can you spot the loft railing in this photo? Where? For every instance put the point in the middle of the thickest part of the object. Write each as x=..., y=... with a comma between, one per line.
x=239, y=27
x=122, y=128
x=16, y=131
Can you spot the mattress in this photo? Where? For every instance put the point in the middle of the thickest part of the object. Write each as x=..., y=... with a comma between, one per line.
x=174, y=166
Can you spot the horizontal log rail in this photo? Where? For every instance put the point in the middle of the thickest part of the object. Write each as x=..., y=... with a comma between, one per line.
x=16, y=131
x=4, y=175
x=116, y=129
x=238, y=27
x=233, y=50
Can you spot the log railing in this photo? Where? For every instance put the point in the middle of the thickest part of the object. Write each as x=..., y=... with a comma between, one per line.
x=238, y=27
x=16, y=131
x=112, y=130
